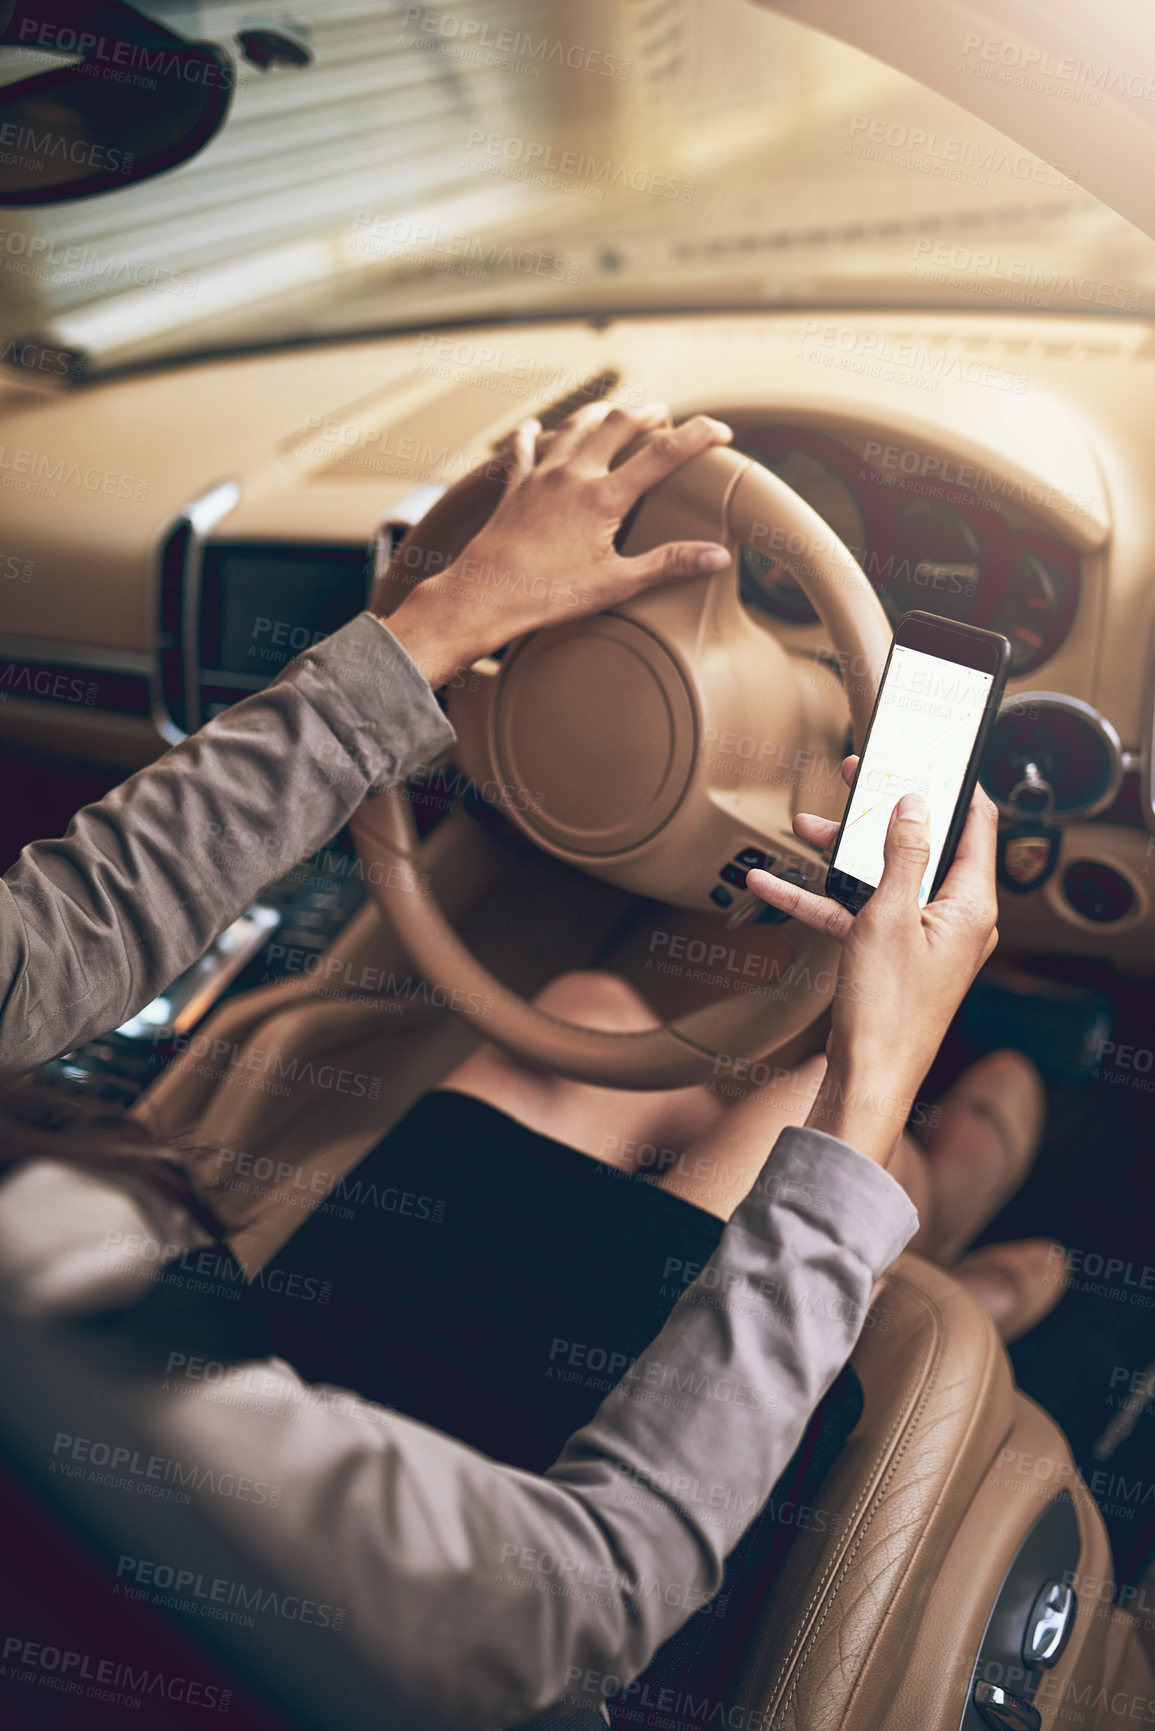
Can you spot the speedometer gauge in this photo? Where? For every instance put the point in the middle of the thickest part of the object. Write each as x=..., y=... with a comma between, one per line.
x=1035, y=610
x=934, y=562
x=764, y=579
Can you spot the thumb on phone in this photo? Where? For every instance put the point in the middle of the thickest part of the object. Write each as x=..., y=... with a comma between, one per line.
x=906, y=853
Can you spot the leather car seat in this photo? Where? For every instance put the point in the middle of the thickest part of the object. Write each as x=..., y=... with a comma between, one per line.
x=876, y=1621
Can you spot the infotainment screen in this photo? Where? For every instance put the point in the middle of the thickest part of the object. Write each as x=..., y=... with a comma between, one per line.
x=261, y=606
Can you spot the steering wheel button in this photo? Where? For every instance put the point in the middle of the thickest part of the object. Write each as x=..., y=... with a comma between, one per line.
x=754, y=859
x=721, y=896
x=734, y=874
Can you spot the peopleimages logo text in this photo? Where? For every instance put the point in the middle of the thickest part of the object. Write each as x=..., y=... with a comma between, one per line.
x=45, y=145
x=70, y=1670
x=531, y=153
x=108, y=52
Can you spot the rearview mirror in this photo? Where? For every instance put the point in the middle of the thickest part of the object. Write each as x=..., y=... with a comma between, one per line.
x=136, y=100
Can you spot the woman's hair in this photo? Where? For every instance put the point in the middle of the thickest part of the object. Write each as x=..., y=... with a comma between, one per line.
x=36, y=1123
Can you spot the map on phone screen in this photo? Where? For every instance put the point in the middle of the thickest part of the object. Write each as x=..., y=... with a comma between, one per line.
x=921, y=739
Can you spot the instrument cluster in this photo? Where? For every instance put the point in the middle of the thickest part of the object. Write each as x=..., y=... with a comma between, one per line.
x=923, y=541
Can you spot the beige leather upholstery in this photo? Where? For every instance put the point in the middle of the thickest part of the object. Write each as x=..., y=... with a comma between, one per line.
x=875, y=1622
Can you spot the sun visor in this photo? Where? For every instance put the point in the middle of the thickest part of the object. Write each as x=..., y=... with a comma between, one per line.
x=1072, y=80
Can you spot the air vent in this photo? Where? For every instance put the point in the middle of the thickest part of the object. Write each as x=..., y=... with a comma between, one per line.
x=173, y=560
x=591, y=390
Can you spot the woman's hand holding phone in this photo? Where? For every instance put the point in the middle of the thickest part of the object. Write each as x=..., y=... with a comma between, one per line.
x=904, y=970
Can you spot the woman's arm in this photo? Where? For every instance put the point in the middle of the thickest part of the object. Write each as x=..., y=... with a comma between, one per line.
x=94, y=924
x=484, y=1594
x=475, y=1594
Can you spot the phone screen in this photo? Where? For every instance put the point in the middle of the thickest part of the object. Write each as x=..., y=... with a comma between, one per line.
x=921, y=739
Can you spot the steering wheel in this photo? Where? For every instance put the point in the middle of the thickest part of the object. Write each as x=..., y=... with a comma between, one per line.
x=650, y=746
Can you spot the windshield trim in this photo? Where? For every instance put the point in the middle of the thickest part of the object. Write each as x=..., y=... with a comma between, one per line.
x=559, y=316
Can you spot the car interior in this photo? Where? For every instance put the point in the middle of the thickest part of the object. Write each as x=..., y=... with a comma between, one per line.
x=409, y=232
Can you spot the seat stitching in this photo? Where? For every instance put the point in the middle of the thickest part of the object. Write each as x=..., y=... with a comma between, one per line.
x=904, y=1417
x=990, y=1361
x=932, y=1376
x=832, y=1562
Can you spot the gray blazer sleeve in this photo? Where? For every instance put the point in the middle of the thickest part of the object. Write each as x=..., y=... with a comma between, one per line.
x=480, y=1594
x=94, y=924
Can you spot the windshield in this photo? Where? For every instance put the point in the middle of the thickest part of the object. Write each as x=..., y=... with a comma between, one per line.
x=496, y=158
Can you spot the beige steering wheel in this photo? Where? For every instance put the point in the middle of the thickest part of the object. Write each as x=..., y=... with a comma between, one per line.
x=649, y=746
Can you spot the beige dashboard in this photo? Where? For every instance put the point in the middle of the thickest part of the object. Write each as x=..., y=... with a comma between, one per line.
x=1037, y=430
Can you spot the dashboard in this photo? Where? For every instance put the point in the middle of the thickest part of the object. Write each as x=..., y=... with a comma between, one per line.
x=996, y=469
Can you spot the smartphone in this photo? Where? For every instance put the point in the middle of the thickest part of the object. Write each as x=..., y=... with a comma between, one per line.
x=940, y=692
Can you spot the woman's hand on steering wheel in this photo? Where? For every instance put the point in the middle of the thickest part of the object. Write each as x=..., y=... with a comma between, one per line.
x=904, y=970
x=547, y=553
